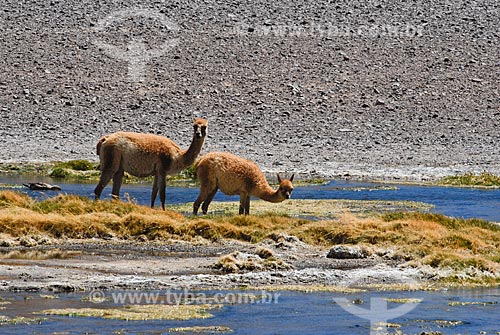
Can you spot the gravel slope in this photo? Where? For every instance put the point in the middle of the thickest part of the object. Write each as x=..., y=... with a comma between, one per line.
x=314, y=87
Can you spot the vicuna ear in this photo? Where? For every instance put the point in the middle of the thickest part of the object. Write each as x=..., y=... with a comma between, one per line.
x=291, y=178
x=279, y=178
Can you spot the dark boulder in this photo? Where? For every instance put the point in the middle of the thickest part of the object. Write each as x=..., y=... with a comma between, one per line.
x=347, y=252
x=42, y=187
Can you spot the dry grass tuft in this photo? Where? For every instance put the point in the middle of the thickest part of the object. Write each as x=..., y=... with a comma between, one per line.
x=39, y=255
x=240, y=262
x=422, y=238
x=14, y=199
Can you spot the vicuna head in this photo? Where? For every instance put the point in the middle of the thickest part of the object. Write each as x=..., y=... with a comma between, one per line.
x=200, y=127
x=286, y=187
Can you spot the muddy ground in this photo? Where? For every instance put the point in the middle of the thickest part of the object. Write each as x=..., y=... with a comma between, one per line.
x=97, y=265
x=41, y=263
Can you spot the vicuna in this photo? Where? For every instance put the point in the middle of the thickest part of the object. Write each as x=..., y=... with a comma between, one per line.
x=235, y=175
x=144, y=155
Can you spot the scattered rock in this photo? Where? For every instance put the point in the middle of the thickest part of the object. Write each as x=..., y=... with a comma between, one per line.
x=27, y=241
x=264, y=253
x=25, y=276
x=347, y=252
x=6, y=243
x=285, y=241
x=283, y=237
x=344, y=55
x=61, y=288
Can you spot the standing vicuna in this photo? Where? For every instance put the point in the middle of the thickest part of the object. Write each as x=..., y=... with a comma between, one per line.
x=144, y=155
x=235, y=175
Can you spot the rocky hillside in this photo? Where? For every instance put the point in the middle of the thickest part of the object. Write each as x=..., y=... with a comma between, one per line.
x=401, y=89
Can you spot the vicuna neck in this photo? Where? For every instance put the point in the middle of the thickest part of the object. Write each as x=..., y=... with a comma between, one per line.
x=271, y=195
x=190, y=155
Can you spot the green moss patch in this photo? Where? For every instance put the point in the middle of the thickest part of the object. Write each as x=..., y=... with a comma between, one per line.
x=19, y=320
x=312, y=209
x=140, y=312
x=484, y=179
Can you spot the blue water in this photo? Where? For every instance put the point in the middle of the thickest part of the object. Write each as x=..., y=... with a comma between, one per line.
x=452, y=201
x=287, y=313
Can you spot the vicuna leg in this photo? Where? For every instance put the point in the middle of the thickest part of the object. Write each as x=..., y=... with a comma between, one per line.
x=110, y=164
x=208, y=185
x=117, y=183
x=103, y=181
x=159, y=184
x=208, y=200
x=154, y=191
x=198, y=202
x=247, y=205
x=243, y=203
x=206, y=196
x=162, y=185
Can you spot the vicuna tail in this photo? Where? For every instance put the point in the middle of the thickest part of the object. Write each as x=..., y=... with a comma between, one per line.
x=99, y=144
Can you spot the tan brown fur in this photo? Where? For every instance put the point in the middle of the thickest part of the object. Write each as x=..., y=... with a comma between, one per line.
x=99, y=144
x=235, y=175
x=144, y=155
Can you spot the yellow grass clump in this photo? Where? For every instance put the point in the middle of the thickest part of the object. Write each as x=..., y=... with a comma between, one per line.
x=11, y=198
x=422, y=238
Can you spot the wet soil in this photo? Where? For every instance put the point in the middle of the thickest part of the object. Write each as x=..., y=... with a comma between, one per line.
x=94, y=265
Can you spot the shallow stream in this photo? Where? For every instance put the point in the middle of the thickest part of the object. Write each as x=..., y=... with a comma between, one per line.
x=447, y=312
x=452, y=201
